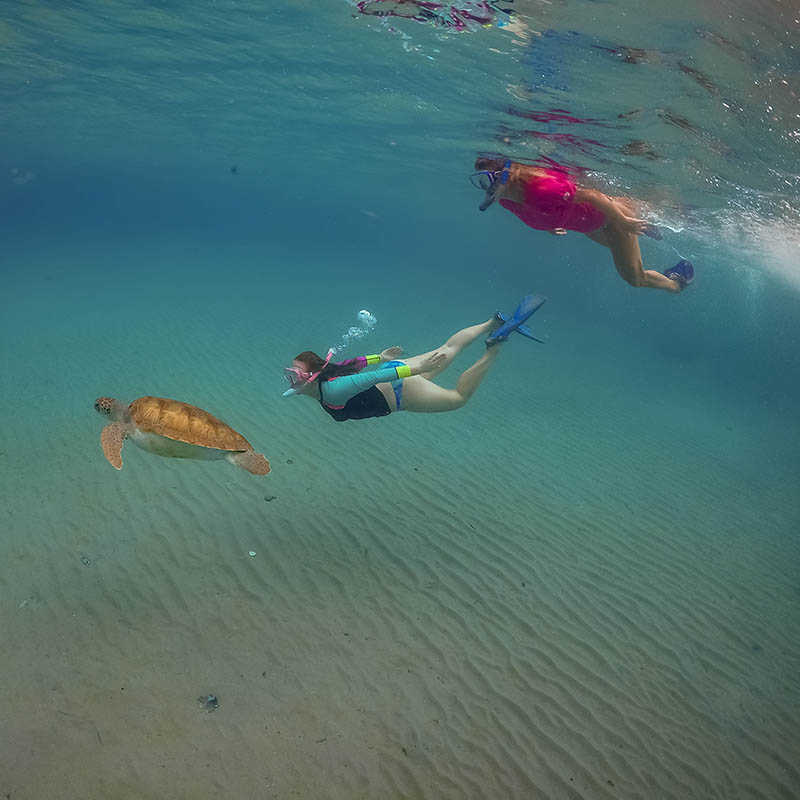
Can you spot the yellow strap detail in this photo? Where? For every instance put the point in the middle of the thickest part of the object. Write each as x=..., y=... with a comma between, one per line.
x=373, y=359
x=404, y=371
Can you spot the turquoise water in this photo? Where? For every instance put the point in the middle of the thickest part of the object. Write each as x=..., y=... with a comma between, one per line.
x=583, y=584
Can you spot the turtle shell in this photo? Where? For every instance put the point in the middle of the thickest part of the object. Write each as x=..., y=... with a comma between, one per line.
x=185, y=423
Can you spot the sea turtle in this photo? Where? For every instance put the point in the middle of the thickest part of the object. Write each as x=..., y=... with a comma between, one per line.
x=175, y=429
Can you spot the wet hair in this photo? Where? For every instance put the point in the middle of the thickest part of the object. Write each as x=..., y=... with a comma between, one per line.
x=315, y=363
x=489, y=164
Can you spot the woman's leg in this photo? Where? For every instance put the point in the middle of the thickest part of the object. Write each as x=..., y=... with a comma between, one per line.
x=627, y=256
x=598, y=236
x=422, y=395
x=628, y=261
x=454, y=345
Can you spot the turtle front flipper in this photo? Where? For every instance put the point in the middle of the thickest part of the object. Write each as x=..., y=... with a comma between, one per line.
x=112, y=437
x=251, y=461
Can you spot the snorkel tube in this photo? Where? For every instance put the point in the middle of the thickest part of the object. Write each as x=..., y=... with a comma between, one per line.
x=493, y=192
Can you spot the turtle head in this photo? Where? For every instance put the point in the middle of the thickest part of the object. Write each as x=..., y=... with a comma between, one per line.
x=104, y=405
x=117, y=410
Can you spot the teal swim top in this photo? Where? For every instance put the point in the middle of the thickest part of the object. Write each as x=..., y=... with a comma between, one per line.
x=335, y=392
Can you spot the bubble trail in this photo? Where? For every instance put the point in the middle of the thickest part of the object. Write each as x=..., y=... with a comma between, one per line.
x=366, y=324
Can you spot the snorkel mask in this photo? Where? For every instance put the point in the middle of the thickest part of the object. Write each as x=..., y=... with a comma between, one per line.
x=491, y=182
x=300, y=377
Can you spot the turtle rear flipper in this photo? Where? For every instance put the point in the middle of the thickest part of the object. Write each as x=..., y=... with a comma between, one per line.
x=251, y=461
x=112, y=437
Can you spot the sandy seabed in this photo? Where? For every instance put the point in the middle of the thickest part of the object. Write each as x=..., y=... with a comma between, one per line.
x=571, y=595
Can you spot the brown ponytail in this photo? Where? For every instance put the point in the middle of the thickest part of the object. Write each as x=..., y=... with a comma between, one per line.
x=315, y=363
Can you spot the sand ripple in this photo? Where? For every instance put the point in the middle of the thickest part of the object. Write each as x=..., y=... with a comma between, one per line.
x=425, y=616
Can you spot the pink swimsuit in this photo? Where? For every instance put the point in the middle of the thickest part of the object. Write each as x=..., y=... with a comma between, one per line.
x=549, y=204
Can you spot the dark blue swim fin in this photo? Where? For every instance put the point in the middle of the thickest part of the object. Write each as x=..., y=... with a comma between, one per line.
x=529, y=306
x=682, y=272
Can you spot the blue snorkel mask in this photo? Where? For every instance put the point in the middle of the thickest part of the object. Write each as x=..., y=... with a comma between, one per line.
x=490, y=182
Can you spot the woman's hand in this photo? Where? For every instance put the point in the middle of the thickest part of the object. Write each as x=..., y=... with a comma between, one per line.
x=635, y=226
x=431, y=363
x=390, y=353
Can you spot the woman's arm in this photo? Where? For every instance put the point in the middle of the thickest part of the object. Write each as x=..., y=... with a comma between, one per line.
x=337, y=391
x=359, y=362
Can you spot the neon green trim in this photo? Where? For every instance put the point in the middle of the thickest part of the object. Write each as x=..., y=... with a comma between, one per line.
x=373, y=359
x=403, y=371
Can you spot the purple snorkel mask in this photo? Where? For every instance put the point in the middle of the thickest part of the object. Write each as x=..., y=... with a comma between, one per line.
x=491, y=182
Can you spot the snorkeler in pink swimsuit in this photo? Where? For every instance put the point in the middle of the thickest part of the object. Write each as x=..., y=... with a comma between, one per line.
x=548, y=200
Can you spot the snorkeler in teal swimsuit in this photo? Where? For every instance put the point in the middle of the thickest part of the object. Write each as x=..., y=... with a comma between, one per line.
x=347, y=392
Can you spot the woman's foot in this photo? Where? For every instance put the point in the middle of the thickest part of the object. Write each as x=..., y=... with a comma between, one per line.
x=497, y=321
x=529, y=305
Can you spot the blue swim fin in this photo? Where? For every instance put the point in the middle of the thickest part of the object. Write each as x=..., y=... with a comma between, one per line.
x=682, y=272
x=529, y=306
